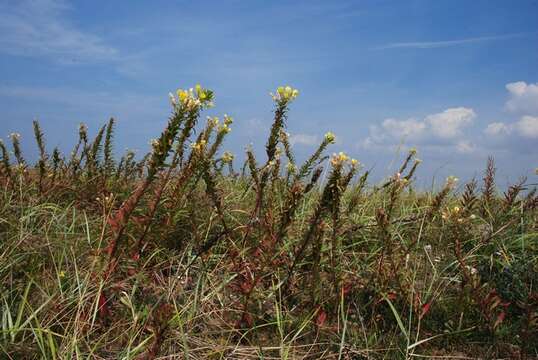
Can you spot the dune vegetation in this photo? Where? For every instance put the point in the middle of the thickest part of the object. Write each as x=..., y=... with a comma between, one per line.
x=186, y=254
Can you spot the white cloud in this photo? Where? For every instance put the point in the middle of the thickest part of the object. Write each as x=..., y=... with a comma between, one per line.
x=523, y=98
x=303, y=139
x=444, y=43
x=449, y=123
x=444, y=128
x=39, y=29
x=403, y=128
x=497, y=129
x=527, y=126
x=465, y=147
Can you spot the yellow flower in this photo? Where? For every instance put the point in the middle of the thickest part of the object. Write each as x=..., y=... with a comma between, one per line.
x=228, y=120
x=227, y=157
x=330, y=137
x=285, y=94
x=292, y=168
x=339, y=159
x=214, y=120
x=61, y=274
x=198, y=146
x=354, y=162
x=182, y=95
x=194, y=98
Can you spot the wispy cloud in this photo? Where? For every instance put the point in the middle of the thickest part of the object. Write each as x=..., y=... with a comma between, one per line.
x=445, y=43
x=39, y=28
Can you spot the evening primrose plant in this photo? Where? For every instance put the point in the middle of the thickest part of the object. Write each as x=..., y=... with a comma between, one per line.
x=173, y=254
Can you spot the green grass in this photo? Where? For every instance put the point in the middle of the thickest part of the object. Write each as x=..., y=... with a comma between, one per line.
x=178, y=255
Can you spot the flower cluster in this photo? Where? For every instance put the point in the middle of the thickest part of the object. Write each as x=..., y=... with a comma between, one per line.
x=214, y=120
x=227, y=157
x=341, y=158
x=330, y=137
x=228, y=120
x=285, y=94
x=453, y=212
x=154, y=143
x=198, y=146
x=291, y=167
x=106, y=199
x=225, y=128
x=456, y=213
x=193, y=98
x=451, y=182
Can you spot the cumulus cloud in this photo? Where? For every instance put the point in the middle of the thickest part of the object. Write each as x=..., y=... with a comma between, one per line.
x=449, y=123
x=523, y=98
x=497, y=129
x=526, y=127
x=445, y=128
x=303, y=139
x=405, y=128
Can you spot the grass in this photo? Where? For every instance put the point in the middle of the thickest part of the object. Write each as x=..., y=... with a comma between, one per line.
x=177, y=255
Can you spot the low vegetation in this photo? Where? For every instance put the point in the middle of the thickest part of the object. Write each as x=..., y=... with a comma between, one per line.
x=181, y=255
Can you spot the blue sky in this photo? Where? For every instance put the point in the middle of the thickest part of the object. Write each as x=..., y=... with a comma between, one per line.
x=456, y=79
